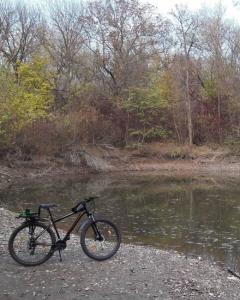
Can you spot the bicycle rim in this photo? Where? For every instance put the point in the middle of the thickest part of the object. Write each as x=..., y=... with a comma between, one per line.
x=100, y=247
x=31, y=244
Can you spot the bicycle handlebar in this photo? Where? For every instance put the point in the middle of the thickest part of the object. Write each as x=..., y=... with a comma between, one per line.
x=81, y=205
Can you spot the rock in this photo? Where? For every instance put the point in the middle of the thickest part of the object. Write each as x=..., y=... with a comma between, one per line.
x=136, y=272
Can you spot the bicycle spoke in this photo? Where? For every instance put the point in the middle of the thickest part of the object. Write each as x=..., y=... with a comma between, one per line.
x=101, y=240
x=32, y=245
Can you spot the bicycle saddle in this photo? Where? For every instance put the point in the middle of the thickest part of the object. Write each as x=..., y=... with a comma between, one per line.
x=47, y=206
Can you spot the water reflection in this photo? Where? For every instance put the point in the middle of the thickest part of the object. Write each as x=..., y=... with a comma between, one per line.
x=197, y=216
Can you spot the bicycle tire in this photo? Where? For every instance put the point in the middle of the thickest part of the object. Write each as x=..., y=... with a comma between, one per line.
x=21, y=231
x=111, y=238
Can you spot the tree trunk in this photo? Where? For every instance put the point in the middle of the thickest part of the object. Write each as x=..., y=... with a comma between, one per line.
x=176, y=128
x=219, y=119
x=126, y=136
x=189, y=107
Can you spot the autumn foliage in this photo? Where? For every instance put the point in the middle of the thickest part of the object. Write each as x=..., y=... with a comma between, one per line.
x=116, y=72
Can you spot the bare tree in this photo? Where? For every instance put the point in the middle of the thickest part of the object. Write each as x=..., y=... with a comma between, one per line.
x=236, y=2
x=20, y=32
x=217, y=52
x=122, y=35
x=64, y=43
x=186, y=26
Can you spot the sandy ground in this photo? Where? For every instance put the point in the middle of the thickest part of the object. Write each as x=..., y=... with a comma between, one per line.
x=135, y=272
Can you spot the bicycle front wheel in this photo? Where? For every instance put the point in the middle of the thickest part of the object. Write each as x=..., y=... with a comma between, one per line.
x=100, y=239
x=31, y=244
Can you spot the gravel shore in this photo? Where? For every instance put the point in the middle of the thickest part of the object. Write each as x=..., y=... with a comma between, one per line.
x=135, y=272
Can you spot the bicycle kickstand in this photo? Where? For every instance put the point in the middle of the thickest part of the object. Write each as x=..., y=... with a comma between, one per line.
x=60, y=256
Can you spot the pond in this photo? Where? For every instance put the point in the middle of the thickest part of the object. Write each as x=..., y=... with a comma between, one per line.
x=198, y=216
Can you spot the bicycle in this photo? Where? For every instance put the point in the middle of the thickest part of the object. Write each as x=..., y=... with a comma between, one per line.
x=34, y=242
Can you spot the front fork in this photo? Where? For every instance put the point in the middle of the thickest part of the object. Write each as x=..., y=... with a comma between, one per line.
x=97, y=233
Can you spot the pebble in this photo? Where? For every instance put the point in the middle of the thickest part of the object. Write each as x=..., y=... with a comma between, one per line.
x=139, y=272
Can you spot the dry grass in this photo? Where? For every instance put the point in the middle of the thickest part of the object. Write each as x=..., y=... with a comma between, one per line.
x=171, y=151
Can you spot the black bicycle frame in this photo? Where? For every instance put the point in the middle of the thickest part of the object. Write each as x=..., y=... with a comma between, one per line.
x=67, y=235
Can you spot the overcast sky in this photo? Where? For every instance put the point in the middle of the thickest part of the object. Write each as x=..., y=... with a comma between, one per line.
x=164, y=6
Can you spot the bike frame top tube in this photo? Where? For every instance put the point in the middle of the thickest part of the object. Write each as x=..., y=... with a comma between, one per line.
x=54, y=221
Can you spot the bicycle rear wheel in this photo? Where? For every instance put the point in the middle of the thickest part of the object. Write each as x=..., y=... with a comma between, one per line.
x=100, y=239
x=31, y=244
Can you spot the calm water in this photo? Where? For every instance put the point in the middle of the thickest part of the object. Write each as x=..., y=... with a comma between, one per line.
x=197, y=216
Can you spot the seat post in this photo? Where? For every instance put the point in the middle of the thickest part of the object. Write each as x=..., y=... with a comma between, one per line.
x=53, y=223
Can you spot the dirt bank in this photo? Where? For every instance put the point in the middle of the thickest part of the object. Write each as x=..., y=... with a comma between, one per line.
x=157, y=158
x=134, y=273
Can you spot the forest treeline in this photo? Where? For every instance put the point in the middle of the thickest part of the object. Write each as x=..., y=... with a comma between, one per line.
x=116, y=72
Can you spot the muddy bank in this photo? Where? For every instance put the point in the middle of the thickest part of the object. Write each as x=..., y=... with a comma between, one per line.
x=158, y=158
x=134, y=273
